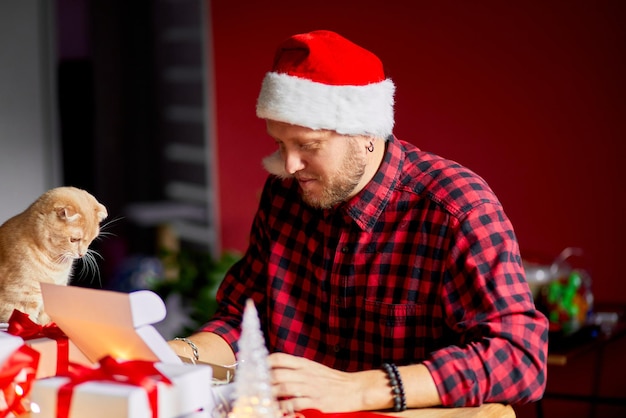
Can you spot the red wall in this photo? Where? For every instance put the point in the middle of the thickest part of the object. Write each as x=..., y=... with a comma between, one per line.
x=530, y=95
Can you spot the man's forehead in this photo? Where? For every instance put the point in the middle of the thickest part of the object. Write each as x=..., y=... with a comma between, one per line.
x=287, y=132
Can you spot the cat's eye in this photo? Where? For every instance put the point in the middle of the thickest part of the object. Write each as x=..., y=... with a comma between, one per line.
x=74, y=239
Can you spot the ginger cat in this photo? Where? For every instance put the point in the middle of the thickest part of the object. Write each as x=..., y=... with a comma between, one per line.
x=41, y=245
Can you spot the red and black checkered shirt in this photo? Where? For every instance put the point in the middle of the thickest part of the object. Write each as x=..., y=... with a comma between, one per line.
x=422, y=265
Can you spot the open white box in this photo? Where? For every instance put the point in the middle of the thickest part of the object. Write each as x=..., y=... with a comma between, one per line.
x=102, y=322
x=108, y=323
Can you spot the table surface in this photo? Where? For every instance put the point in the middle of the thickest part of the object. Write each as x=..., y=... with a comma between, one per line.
x=489, y=410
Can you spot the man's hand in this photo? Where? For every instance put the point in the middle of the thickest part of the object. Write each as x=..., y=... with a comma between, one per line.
x=300, y=384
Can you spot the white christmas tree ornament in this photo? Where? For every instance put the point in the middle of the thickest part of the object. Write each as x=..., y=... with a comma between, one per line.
x=253, y=391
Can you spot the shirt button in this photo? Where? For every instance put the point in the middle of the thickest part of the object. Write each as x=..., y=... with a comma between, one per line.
x=345, y=249
x=336, y=348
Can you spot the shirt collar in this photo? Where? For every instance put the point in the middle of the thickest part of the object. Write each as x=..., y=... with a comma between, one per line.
x=367, y=205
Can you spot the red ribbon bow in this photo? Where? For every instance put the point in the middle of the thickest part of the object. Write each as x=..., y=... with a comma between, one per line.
x=133, y=372
x=23, y=359
x=21, y=325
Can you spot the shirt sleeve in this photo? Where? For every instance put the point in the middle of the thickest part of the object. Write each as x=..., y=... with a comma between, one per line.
x=502, y=350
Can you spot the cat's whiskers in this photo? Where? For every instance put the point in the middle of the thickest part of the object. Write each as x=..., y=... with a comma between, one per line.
x=103, y=232
x=65, y=258
x=89, y=264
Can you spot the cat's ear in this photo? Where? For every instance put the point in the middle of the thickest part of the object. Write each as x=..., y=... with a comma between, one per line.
x=67, y=213
x=101, y=212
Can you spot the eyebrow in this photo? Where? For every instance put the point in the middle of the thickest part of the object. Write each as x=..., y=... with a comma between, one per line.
x=315, y=136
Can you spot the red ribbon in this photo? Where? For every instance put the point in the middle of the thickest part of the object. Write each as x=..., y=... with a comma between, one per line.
x=22, y=326
x=133, y=372
x=23, y=359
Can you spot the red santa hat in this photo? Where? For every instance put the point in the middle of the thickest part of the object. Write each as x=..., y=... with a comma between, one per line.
x=321, y=80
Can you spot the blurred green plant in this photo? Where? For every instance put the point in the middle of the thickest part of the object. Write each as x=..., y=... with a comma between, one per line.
x=195, y=276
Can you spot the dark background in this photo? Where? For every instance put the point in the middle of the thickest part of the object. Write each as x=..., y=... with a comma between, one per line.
x=530, y=95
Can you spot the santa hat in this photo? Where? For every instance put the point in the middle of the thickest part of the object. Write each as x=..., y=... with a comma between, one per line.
x=321, y=80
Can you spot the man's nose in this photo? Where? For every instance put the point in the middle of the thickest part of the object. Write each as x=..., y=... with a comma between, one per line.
x=293, y=162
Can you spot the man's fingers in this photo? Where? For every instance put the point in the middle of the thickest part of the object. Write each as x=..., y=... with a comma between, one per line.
x=285, y=361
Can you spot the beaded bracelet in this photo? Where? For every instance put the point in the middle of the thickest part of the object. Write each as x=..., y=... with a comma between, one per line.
x=194, y=348
x=397, y=389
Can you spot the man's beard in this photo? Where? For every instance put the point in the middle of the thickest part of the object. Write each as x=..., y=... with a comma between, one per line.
x=340, y=185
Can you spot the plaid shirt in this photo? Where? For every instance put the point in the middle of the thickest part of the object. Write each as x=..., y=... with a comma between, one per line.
x=420, y=266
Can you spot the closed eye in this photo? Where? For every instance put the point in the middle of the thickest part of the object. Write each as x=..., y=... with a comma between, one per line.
x=310, y=146
x=74, y=239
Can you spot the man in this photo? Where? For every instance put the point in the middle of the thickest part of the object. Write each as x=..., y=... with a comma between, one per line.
x=385, y=277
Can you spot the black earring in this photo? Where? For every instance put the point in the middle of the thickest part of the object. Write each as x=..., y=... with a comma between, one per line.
x=371, y=147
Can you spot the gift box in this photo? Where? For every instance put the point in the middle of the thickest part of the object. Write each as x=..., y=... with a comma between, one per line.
x=114, y=325
x=18, y=364
x=49, y=364
x=8, y=344
x=54, y=347
x=182, y=391
x=107, y=323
